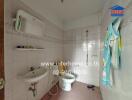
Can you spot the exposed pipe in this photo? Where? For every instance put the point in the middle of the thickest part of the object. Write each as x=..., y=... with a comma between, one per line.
x=87, y=46
x=33, y=88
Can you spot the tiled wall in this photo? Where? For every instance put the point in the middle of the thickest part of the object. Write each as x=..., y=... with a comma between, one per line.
x=71, y=47
x=16, y=62
x=75, y=51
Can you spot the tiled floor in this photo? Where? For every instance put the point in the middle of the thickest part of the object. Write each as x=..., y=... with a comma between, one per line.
x=79, y=92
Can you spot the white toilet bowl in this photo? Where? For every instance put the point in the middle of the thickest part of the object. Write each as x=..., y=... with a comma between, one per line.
x=66, y=80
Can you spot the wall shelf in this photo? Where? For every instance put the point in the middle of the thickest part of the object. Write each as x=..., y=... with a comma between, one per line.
x=29, y=49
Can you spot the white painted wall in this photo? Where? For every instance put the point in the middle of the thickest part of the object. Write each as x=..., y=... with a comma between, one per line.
x=91, y=20
x=122, y=88
x=17, y=62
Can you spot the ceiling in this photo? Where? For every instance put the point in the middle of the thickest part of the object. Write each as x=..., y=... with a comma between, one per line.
x=68, y=10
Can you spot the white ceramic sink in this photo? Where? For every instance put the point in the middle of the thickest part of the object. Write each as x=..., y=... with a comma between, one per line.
x=35, y=76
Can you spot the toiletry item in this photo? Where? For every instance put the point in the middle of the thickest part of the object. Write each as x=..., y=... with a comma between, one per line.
x=18, y=46
x=22, y=46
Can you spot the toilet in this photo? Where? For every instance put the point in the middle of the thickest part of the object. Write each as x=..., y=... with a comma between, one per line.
x=66, y=80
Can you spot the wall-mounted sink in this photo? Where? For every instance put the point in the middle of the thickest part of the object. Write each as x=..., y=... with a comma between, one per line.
x=35, y=75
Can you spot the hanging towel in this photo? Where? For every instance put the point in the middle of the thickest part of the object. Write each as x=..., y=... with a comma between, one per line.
x=106, y=61
x=107, y=65
x=116, y=45
x=111, y=51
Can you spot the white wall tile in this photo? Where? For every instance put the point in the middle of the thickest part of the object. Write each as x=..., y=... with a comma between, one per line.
x=74, y=51
x=18, y=62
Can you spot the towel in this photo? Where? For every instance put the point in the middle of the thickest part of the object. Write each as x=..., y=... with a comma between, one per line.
x=106, y=61
x=111, y=51
x=116, y=45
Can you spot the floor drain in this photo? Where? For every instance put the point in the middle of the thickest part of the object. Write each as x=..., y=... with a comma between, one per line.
x=91, y=87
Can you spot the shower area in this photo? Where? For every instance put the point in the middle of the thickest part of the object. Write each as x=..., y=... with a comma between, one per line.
x=81, y=48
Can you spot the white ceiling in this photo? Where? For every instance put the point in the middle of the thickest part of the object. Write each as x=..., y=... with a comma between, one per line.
x=66, y=11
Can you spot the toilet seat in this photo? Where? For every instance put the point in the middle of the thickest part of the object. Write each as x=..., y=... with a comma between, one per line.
x=68, y=77
x=66, y=80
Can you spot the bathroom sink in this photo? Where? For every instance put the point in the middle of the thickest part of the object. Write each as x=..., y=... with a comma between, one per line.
x=35, y=75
